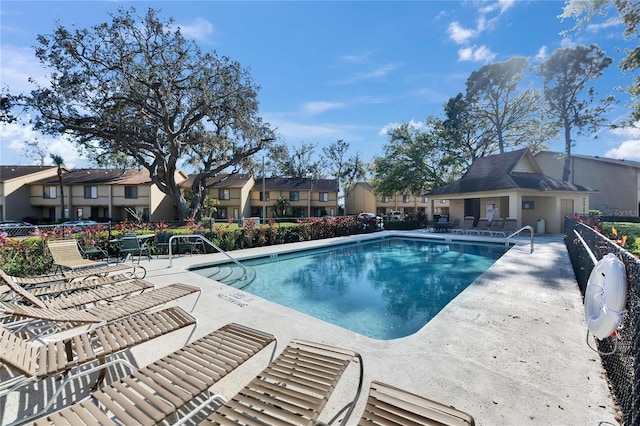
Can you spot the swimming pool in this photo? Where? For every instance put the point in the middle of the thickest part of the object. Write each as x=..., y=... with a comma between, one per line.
x=384, y=289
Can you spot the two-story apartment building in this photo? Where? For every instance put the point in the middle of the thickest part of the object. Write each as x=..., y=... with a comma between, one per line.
x=306, y=197
x=102, y=194
x=361, y=198
x=617, y=182
x=231, y=191
x=14, y=192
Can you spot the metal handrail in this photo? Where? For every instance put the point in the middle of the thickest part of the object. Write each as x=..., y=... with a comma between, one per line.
x=524, y=228
x=208, y=241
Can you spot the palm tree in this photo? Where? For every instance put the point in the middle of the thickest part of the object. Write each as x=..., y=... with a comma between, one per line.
x=58, y=161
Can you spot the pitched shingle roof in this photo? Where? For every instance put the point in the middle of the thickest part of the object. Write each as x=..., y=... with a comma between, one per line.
x=14, y=172
x=297, y=184
x=223, y=180
x=101, y=176
x=511, y=170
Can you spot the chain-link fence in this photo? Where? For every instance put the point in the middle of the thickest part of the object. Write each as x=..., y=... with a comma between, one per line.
x=623, y=366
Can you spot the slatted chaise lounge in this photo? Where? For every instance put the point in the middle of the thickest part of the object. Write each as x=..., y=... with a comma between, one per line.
x=66, y=256
x=388, y=405
x=495, y=227
x=82, y=297
x=27, y=363
x=293, y=389
x=159, y=390
x=104, y=313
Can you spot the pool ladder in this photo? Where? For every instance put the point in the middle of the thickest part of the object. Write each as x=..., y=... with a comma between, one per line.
x=524, y=228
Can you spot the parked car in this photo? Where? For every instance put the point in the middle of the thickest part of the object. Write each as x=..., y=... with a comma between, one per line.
x=77, y=225
x=16, y=228
x=369, y=218
x=395, y=214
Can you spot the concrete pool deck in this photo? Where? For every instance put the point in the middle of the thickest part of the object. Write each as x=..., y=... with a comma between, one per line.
x=509, y=350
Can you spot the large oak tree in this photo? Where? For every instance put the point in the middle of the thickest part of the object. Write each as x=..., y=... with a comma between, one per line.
x=136, y=86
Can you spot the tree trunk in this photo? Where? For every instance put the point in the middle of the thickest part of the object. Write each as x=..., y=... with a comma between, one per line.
x=566, y=171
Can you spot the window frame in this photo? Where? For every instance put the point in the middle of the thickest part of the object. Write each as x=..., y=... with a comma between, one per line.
x=128, y=192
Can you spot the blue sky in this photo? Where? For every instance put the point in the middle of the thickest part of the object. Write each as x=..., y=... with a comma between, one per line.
x=332, y=70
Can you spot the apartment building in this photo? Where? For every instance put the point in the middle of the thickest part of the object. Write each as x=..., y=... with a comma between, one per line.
x=15, y=203
x=231, y=191
x=305, y=197
x=102, y=194
x=361, y=198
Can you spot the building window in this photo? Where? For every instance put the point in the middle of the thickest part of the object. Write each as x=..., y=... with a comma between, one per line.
x=294, y=196
x=405, y=198
x=222, y=212
x=79, y=214
x=262, y=196
x=385, y=199
x=424, y=199
x=224, y=194
x=50, y=192
x=130, y=192
x=90, y=192
x=324, y=197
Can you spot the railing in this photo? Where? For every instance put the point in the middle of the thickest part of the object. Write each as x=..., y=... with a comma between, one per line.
x=524, y=228
x=208, y=241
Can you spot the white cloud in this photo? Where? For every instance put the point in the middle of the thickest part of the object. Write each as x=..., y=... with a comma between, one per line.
x=459, y=34
x=500, y=5
x=596, y=28
x=418, y=125
x=356, y=58
x=628, y=150
x=376, y=73
x=199, y=29
x=480, y=54
x=22, y=65
x=14, y=137
x=314, y=108
x=567, y=42
x=542, y=54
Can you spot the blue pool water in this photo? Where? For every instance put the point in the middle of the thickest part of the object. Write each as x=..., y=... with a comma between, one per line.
x=383, y=289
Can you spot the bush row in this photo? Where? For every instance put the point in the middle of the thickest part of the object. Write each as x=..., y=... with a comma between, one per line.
x=24, y=257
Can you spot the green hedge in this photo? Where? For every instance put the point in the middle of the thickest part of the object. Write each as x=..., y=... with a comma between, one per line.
x=23, y=257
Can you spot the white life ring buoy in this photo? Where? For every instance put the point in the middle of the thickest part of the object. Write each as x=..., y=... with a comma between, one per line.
x=605, y=296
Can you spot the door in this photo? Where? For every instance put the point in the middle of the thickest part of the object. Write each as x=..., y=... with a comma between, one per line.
x=472, y=208
x=566, y=209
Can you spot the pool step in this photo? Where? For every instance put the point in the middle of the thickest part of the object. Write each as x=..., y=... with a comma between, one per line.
x=233, y=276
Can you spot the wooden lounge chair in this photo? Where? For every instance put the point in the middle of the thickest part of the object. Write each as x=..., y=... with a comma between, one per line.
x=159, y=390
x=66, y=255
x=467, y=225
x=388, y=405
x=71, y=356
x=65, y=287
x=81, y=297
x=104, y=313
x=293, y=389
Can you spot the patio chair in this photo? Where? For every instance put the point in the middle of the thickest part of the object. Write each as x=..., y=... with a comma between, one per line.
x=131, y=246
x=495, y=227
x=510, y=226
x=63, y=287
x=92, y=252
x=66, y=255
x=387, y=404
x=82, y=297
x=467, y=224
x=71, y=357
x=293, y=389
x=48, y=320
x=159, y=390
x=481, y=226
x=162, y=242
